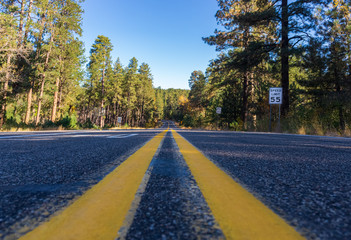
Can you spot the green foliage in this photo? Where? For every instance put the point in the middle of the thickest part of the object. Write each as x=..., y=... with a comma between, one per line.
x=43, y=70
x=172, y=103
x=304, y=46
x=253, y=59
x=69, y=122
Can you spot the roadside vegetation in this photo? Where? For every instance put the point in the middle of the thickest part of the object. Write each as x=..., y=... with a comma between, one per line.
x=303, y=46
x=46, y=82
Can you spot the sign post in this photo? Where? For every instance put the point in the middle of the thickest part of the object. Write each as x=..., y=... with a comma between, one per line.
x=275, y=97
x=218, y=111
x=119, y=121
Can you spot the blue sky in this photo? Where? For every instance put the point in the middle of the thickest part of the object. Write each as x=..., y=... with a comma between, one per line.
x=166, y=34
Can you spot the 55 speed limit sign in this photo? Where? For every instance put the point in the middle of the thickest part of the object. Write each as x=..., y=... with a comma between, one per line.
x=275, y=95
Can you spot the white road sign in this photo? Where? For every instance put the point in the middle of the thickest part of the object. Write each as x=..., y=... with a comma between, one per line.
x=219, y=110
x=275, y=95
x=119, y=120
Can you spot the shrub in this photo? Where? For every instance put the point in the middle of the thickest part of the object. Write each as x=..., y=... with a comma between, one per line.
x=68, y=122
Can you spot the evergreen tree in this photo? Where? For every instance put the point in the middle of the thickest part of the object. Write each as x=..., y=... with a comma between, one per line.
x=159, y=103
x=328, y=61
x=71, y=49
x=242, y=36
x=197, y=95
x=100, y=61
x=242, y=21
x=8, y=50
x=145, y=94
x=129, y=92
x=114, y=91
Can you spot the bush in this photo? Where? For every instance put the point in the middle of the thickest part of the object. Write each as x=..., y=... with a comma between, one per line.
x=234, y=126
x=49, y=124
x=188, y=121
x=150, y=125
x=68, y=122
x=12, y=125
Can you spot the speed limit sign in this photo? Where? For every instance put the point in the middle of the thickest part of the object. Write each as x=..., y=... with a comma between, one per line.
x=275, y=95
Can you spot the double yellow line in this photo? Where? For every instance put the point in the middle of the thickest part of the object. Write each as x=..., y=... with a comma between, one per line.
x=100, y=212
x=239, y=214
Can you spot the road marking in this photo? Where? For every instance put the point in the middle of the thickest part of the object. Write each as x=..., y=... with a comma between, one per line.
x=128, y=220
x=99, y=213
x=90, y=135
x=36, y=135
x=123, y=135
x=239, y=214
x=73, y=135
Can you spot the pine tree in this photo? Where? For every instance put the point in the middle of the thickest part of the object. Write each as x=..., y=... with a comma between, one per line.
x=197, y=84
x=100, y=61
x=69, y=26
x=337, y=33
x=145, y=94
x=129, y=92
x=242, y=32
x=280, y=26
x=159, y=102
x=8, y=48
x=114, y=91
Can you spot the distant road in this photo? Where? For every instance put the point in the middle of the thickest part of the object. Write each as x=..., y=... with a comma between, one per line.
x=158, y=186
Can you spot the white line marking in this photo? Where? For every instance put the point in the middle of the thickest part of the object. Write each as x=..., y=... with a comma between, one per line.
x=36, y=135
x=123, y=136
x=90, y=135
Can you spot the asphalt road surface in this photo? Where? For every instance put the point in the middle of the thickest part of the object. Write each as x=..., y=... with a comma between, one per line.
x=303, y=180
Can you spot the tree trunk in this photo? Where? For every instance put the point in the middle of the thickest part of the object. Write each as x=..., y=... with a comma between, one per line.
x=57, y=85
x=245, y=82
x=245, y=102
x=59, y=103
x=132, y=120
x=6, y=86
x=128, y=112
x=43, y=78
x=102, y=99
x=30, y=91
x=252, y=93
x=114, y=121
x=54, y=107
x=339, y=94
x=29, y=104
x=28, y=19
x=40, y=100
x=143, y=114
x=285, y=58
x=108, y=115
x=20, y=26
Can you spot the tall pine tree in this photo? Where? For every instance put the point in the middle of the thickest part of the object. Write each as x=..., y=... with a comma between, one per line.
x=100, y=61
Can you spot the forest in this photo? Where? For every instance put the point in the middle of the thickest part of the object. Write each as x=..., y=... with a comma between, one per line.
x=302, y=46
x=46, y=82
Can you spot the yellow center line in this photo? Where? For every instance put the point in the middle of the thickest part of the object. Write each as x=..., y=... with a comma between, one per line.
x=239, y=214
x=100, y=212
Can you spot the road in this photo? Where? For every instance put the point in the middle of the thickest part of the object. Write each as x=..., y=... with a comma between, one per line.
x=182, y=184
